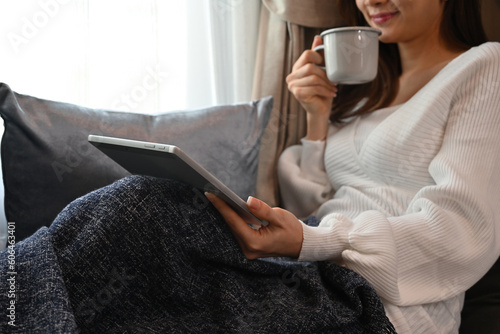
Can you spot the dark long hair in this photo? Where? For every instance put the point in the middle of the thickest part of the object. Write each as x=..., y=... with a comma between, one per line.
x=461, y=28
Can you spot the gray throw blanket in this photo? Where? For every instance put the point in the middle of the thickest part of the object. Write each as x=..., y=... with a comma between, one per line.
x=145, y=255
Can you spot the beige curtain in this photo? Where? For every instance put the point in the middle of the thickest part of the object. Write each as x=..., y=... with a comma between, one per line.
x=287, y=28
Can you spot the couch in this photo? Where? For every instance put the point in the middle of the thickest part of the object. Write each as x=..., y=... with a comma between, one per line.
x=47, y=162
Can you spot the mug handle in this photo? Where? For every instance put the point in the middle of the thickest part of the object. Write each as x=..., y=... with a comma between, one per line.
x=320, y=48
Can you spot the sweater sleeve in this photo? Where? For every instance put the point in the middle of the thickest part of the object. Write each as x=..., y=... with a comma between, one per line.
x=450, y=234
x=302, y=177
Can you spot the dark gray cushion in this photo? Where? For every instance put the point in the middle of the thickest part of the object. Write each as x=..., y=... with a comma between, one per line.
x=47, y=161
x=481, y=312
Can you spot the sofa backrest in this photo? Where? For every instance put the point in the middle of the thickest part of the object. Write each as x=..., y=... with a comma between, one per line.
x=47, y=161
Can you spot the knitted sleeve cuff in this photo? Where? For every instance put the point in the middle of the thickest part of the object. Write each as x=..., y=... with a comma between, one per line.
x=324, y=243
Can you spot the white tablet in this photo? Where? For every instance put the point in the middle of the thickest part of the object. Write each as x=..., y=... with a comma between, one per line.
x=168, y=161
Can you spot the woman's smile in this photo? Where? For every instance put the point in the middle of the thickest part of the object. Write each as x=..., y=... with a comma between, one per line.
x=381, y=18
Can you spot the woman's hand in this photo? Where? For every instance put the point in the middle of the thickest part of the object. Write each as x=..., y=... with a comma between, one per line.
x=282, y=237
x=311, y=87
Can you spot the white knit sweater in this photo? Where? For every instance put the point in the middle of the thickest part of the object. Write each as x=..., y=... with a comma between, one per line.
x=409, y=196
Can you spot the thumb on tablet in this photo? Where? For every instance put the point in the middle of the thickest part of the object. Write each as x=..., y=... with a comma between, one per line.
x=259, y=208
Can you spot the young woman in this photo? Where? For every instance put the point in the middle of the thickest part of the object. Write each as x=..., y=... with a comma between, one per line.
x=403, y=171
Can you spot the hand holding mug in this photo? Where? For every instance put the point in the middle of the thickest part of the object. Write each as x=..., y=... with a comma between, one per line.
x=350, y=57
x=311, y=87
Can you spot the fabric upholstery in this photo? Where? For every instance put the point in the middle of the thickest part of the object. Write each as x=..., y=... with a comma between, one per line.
x=47, y=161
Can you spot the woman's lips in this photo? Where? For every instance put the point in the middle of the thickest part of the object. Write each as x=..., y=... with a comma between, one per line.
x=383, y=17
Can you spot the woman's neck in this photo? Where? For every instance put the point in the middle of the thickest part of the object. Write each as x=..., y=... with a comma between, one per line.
x=424, y=53
x=421, y=60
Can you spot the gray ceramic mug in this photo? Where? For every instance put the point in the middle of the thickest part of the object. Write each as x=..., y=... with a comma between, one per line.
x=351, y=54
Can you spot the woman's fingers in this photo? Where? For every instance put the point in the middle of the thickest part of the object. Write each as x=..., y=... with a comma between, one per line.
x=313, y=73
x=307, y=89
x=230, y=216
x=240, y=229
x=309, y=83
x=260, y=209
x=311, y=86
x=317, y=41
x=309, y=56
x=282, y=237
x=284, y=227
